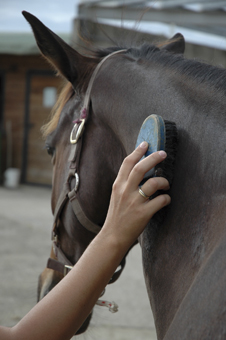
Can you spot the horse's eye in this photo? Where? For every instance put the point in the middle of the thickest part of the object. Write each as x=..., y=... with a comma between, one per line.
x=50, y=149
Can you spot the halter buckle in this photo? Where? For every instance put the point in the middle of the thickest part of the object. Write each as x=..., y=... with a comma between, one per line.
x=67, y=269
x=78, y=129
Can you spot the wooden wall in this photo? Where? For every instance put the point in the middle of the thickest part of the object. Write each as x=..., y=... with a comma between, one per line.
x=15, y=70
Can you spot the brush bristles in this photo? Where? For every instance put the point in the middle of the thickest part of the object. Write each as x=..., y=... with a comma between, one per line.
x=166, y=168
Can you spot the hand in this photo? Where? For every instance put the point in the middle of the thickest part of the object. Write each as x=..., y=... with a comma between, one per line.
x=129, y=212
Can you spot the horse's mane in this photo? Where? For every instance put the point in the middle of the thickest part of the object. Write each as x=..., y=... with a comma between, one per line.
x=64, y=96
x=200, y=71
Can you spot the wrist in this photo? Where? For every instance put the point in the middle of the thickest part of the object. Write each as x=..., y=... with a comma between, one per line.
x=114, y=240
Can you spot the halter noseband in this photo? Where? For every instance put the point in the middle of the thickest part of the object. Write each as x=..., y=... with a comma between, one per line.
x=62, y=264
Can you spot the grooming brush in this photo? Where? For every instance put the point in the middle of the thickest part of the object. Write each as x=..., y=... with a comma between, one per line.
x=160, y=134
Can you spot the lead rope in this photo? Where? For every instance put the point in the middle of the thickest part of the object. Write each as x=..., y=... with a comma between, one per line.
x=112, y=306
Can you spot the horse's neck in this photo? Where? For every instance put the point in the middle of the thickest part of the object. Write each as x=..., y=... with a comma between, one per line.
x=174, y=251
x=195, y=221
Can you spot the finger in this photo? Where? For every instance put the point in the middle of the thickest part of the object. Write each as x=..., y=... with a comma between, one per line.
x=154, y=184
x=131, y=160
x=140, y=169
x=156, y=204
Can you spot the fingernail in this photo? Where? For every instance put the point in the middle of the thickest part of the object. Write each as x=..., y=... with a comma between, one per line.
x=162, y=154
x=144, y=145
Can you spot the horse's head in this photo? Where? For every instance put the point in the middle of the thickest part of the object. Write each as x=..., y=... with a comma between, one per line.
x=84, y=171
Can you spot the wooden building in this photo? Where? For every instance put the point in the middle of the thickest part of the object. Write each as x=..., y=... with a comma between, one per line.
x=202, y=22
x=28, y=90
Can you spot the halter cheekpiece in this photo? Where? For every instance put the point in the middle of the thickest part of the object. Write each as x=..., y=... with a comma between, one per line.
x=62, y=264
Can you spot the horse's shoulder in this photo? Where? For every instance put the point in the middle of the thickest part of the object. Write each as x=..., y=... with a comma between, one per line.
x=202, y=313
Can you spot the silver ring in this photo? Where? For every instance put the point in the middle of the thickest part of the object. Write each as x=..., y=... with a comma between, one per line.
x=143, y=194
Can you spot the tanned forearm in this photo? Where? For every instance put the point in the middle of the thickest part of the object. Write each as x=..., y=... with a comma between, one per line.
x=67, y=308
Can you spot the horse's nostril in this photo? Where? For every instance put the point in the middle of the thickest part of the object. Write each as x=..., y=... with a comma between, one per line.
x=47, y=281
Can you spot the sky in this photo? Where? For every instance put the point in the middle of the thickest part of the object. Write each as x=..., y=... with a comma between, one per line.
x=56, y=14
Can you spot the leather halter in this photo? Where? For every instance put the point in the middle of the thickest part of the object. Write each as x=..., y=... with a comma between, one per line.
x=62, y=264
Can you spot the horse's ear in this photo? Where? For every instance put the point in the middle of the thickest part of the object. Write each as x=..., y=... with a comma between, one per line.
x=176, y=44
x=63, y=57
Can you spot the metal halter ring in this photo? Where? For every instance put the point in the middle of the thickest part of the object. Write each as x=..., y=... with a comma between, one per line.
x=77, y=130
x=143, y=194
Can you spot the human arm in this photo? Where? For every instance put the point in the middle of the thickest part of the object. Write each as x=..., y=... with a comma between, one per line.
x=64, y=309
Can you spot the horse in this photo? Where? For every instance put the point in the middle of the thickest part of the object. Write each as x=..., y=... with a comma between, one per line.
x=184, y=252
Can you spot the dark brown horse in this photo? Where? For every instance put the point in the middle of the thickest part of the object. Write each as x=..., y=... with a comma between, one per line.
x=184, y=255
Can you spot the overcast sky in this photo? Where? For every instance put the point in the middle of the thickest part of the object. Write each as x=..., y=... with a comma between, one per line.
x=56, y=14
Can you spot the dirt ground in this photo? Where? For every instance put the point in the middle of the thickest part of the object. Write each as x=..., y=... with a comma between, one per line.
x=25, y=228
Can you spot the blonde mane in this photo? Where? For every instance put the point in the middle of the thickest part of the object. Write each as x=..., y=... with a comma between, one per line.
x=64, y=96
